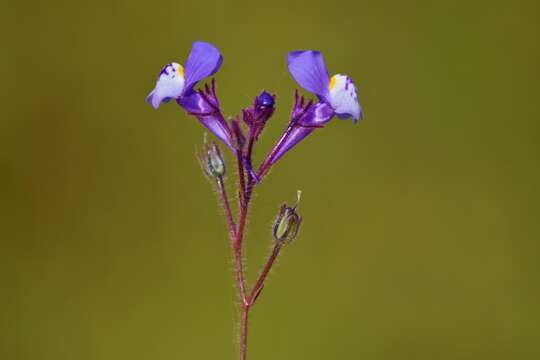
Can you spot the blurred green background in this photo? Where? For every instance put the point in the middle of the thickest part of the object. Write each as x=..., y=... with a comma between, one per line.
x=421, y=224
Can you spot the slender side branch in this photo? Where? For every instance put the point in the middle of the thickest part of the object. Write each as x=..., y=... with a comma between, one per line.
x=264, y=273
x=226, y=206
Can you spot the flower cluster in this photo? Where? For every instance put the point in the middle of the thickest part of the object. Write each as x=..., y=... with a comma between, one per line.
x=336, y=97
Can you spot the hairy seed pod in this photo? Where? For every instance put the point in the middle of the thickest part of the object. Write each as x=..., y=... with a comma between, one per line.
x=287, y=224
x=215, y=162
x=211, y=160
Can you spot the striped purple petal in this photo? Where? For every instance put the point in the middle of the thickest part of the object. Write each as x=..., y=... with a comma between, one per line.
x=308, y=69
x=317, y=116
x=203, y=61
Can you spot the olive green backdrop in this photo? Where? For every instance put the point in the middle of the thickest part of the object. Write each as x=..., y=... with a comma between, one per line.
x=420, y=237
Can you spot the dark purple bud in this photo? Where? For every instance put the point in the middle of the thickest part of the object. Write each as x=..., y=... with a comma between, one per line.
x=287, y=224
x=265, y=100
x=262, y=109
x=256, y=116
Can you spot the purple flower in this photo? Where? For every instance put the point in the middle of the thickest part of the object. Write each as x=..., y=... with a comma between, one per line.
x=337, y=96
x=308, y=69
x=175, y=81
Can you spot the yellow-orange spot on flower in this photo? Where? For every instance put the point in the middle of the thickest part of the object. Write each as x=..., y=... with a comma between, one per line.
x=181, y=71
x=332, y=82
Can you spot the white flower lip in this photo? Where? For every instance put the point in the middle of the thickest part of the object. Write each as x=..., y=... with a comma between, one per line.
x=169, y=85
x=343, y=96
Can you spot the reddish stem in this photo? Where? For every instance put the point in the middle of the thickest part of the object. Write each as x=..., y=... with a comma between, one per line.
x=241, y=176
x=244, y=332
x=264, y=273
x=226, y=207
x=236, y=232
x=238, y=242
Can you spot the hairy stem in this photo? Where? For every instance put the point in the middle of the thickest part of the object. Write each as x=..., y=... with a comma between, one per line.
x=244, y=210
x=241, y=176
x=226, y=206
x=238, y=243
x=244, y=332
x=264, y=273
x=236, y=232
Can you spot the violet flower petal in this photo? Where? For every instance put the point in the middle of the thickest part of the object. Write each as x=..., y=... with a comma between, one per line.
x=194, y=103
x=203, y=61
x=308, y=69
x=317, y=116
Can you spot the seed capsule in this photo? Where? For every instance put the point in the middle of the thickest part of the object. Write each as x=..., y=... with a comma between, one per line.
x=287, y=224
x=211, y=160
x=216, y=164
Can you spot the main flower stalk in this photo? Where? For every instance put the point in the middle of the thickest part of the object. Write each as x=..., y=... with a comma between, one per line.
x=236, y=233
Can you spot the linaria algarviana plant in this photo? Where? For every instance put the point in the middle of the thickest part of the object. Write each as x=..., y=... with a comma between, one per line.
x=336, y=97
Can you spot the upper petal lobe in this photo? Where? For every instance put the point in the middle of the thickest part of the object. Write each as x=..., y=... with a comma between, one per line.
x=203, y=61
x=308, y=69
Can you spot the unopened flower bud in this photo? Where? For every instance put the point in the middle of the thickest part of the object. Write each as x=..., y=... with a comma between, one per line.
x=256, y=116
x=265, y=100
x=211, y=160
x=287, y=224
